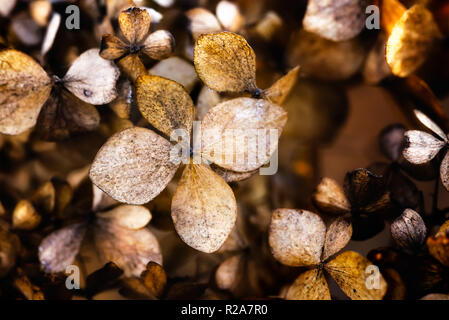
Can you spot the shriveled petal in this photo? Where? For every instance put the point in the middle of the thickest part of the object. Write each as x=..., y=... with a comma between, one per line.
x=133, y=166
x=127, y=216
x=411, y=40
x=204, y=209
x=59, y=248
x=24, y=88
x=335, y=20
x=112, y=47
x=310, y=285
x=242, y=134
x=409, y=230
x=421, y=147
x=131, y=250
x=350, y=271
x=330, y=198
x=279, y=91
x=134, y=23
x=296, y=237
x=225, y=62
x=165, y=104
x=202, y=21
x=337, y=237
x=92, y=78
x=159, y=45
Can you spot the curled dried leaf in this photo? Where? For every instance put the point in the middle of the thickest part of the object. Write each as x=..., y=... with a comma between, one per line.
x=203, y=209
x=225, y=62
x=133, y=166
x=296, y=237
x=409, y=230
x=335, y=20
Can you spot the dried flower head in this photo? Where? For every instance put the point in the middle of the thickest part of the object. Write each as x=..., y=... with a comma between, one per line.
x=300, y=238
x=30, y=95
x=134, y=25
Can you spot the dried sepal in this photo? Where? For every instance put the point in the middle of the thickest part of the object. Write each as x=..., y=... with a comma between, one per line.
x=330, y=198
x=225, y=62
x=165, y=104
x=6, y=7
x=421, y=147
x=50, y=33
x=228, y=272
x=92, y=78
x=425, y=120
x=241, y=134
x=44, y=197
x=203, y=209
x=154, y=278
x=444, y=171
x=59, y=248
x=296, y=237
x=176, y=69
x=134, y=23
x=335, y=20
x=24, y=88
x=391, y=141
x=132, y=67
x=438, y=245
x=232, y=176
x=229, y=15
x=133, y=166
x=411, y=40
x=310, y=285
x=202, y=21
x=391, y=12
x=127, y=216
x=338, y=235
x=159, y=45
x=25, y=216
x=112, y=47
x=349, y=271
x=129, y=249
x=279, y=91
x=409, y=230
x=207, y=99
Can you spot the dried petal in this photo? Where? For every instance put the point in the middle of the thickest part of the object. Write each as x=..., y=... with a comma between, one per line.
x=310, y=285
x=411, y=40
x=228, y=272
x=444, y=171
x=59, y=248
x=225, y=62
x=25, y=217
x=279, y=91
x=207, y=99
x=232, y=176
x=391, y=12
x=335, y=20
x=127, y=216
x=409, y=230
x=202, y=21
x=131, y=250
x=425, y=120
x=229, y=15
x=112, y=47
x=241, y=134
x=50, y=34
x=134, y=23
x=154, y=278
x=421, y=147
x=6, y=7
x=44, y=197
x=203, y=209
x=159, y=45
x=438, y=245
x=435, y=296
x=9, y=249
x=165, y=104
x=391, y=141
x=92, y=78
x=337, y=237
x=330, y=198
x=296, y=237
x=349, y=269
x=178, y=70
x=24, y=88
x=133, y=166
x=132, y=67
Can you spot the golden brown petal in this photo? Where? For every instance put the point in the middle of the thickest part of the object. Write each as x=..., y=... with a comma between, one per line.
x=132, y=67
x=338, y=235
x=310, y=285
x=134, y=23
x=159, y=45
x=330, y=198
x=279, y=91
x=112, y=47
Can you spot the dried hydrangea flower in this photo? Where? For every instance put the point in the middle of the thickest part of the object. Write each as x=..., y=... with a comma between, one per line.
x=438, y=245
x=134, y=25
x=29, y=95
x=421, y=147
x=411, y=40
x=135, y=165
x=364, y=194
x=119, y=235
x=300, y=238
x=409, y=230
x=336, y=20
x=225, y=62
